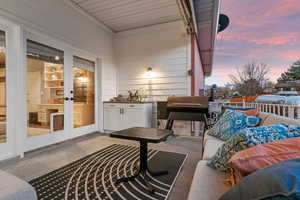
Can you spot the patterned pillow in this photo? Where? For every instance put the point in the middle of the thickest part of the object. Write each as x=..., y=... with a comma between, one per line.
x=230, y=123
x=237, y=108
x=294, y=130
x=265, y=134
x=249, y=137
x=235, y=144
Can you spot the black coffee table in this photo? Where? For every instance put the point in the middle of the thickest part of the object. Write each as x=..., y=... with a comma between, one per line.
x=144, y=136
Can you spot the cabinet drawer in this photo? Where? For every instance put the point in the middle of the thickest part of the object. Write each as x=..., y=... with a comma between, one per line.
x=135, y=105
x=112, y=105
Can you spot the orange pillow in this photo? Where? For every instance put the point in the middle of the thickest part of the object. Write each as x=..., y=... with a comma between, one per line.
x=252, y=112
x=263, y=155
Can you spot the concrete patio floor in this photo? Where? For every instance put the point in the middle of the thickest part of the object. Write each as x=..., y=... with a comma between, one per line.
x=44, y=160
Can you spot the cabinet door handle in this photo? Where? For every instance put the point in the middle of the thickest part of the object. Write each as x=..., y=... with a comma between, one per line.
x=131, y=106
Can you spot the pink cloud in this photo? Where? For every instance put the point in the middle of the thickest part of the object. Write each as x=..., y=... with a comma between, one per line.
x=253, y=37
x=290, y=55
x=281, y=8
x=276, y=40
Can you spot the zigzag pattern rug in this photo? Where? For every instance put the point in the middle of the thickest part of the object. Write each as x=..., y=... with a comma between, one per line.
x=93, y=177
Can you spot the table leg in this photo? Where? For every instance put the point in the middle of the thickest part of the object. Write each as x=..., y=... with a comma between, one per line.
x=143, y=169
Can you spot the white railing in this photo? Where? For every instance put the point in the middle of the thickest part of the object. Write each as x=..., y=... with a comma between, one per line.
x=290, y=111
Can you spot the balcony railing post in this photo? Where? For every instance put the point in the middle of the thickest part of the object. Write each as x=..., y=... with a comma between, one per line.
x=297, y=112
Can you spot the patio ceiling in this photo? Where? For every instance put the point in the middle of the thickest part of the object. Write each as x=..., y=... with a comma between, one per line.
x=121, y=15
x=200, y=17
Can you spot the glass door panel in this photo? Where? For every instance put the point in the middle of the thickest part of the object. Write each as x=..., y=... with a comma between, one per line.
x=45, y=89
x=84, y=92
x=2, y=87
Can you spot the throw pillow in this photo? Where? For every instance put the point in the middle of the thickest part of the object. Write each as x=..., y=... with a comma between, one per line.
x=280, y=181
x=220, y=160
x=271, y=133
x=253, y=112
x=293, y=130
x=258, y=157
x=249, y=137
x=237, y=108
x=230, y=123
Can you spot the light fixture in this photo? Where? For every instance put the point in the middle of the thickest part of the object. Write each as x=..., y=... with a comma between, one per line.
x=83, y=79
x=149, y=72
x=56, y=58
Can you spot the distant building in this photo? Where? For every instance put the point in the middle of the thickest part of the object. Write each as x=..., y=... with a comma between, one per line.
x=288, y=86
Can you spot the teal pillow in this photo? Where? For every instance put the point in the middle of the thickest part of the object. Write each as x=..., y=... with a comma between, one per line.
x=271, y=133
x=230, y=123
x=276, y=182
x=294, y=130
x=238, y=108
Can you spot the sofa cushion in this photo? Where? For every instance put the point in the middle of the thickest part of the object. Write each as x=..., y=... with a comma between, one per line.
x=279, y=181
x=211, y=147
x=13, y=188
x=230, y=123
x=258, y=157
x=208, y=137
x=208, y=184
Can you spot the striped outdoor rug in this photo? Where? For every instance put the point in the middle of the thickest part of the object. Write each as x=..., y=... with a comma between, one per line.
x=93, y=177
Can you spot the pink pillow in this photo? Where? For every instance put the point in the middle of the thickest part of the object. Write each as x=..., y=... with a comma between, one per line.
x=263, y=155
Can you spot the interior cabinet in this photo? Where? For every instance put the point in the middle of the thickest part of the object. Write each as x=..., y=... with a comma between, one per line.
x=119, y=116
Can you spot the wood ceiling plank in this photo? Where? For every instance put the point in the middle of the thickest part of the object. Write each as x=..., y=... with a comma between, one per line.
x=131, y=6
x=157, y=11
x=129, y=9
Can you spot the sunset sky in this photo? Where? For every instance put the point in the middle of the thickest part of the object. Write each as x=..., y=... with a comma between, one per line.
x=263, y=30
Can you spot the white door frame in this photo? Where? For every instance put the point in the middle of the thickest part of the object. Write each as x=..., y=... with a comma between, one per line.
x=13, y=40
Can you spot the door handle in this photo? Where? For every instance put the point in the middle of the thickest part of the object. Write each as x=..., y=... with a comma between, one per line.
x=72, y=99
x=66, y=99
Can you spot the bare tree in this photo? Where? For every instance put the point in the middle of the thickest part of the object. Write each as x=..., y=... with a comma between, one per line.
x=251, y=78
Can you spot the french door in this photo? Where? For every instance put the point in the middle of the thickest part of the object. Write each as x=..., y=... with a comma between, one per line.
x=83, y=100
x=61, y=93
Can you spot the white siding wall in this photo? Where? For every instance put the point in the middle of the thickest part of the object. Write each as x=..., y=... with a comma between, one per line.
x=165, y=48
x=60, y=21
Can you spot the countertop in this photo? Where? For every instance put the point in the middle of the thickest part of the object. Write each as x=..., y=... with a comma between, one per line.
x=128, y=102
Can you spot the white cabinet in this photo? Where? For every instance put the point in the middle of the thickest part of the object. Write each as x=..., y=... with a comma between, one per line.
x=118, y=116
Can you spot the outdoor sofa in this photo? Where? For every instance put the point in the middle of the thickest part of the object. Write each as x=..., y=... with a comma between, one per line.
x=210, y=184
